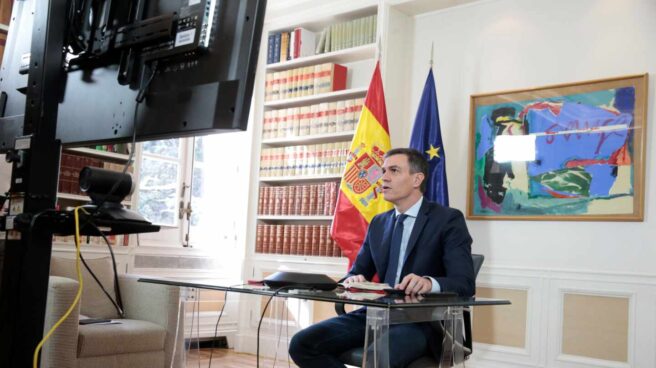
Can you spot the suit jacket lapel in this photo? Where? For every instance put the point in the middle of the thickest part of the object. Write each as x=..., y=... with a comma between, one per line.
x=420, y=222
x=386, y=243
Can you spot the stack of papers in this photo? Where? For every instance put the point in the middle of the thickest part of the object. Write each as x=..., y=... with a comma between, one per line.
x=360, y=295
x=366, y=286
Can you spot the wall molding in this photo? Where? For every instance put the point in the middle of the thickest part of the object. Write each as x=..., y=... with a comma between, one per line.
x=571, y=274
x=546, y=289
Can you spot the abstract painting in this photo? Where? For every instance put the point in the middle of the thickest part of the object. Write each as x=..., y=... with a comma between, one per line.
x=565, y=152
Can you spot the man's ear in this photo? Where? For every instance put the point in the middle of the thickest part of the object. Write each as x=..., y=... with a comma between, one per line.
x=419, y=178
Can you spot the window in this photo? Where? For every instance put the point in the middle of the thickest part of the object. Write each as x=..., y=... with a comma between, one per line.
x=161, y=189
x=196, y=189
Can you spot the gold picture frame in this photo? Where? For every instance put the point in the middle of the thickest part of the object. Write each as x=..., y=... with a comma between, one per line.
x=572, y=151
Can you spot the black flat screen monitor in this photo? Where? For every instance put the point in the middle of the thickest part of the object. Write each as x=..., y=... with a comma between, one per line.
x=206, y=54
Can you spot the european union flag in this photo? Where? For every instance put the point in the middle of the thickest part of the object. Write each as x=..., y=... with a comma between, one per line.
x=427, y=138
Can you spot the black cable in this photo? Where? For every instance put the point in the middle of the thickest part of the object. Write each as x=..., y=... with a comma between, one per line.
x=140, y=97
x=259, y=325
x=117, y=288
x=101, y=285
x=216, y=327
x=275, y=356
x=33, y=221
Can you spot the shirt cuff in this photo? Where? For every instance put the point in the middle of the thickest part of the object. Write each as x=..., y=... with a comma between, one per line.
x=435, y=286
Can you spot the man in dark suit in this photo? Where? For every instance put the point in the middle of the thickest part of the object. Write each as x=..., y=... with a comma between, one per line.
x=418, y=247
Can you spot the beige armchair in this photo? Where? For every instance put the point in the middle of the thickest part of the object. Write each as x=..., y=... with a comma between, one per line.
x=151, y=335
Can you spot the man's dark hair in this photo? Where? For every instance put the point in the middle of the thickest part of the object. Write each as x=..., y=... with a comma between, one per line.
x=416, y=161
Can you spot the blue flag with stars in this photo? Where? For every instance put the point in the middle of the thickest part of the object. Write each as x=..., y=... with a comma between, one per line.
x=427, y=138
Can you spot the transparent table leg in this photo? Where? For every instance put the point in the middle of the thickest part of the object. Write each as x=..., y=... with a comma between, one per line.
x=453, y=353
x=189, y=298
x=376, y=341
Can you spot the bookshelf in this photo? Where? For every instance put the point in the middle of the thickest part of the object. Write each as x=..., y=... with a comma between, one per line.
x=306, y=129
x=306, y=147
x=310, y=139
x=105, y=155
x=357, y=53
x=323, y=97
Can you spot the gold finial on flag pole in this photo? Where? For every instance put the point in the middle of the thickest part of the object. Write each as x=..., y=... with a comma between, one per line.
x=431, y=55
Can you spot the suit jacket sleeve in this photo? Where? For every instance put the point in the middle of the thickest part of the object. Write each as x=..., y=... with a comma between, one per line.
x=457, y=259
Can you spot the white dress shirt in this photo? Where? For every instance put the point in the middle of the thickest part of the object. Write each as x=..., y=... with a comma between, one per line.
x=408, y=224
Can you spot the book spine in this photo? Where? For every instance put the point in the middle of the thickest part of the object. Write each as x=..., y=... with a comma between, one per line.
x=338, y=77
x=296, y=126
x=357, y=109
x=306, y=42
x=331, y=126
x=277, y=206
x=276, y=47
x=329, y=35
x=291, y=197
x=298, y=195
x=259, y=238
x=283, y=85
x=322, y=241
x=321, y=198
x=268, y=86
x=307, y=240
x=305, y=200
x=293, y=239
x=270, y=48
x=260, y=201
x=266, y=239
x=313, y=200
x=275, y=86
x=266, y=127
x=340, y=116
x=286, y=239
x=266, y=201
x=321, y=43
x=315, y=239
x=279, y=237
x=284, y=46
x=284, y=201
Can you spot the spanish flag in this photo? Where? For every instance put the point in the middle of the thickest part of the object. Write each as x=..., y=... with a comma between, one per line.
x=360, y=192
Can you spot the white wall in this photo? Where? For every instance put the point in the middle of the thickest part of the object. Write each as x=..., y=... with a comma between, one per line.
x=512, y=44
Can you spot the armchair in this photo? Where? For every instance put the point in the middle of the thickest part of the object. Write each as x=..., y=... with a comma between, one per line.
x=150, y=335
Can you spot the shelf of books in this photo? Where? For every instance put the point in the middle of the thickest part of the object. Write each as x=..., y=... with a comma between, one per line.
x=315, y=138
x=357, y=53
x=315, y=84
x=118, y=154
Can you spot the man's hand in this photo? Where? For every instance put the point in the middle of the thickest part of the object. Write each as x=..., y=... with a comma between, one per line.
x=356, y=278
x=413, y=284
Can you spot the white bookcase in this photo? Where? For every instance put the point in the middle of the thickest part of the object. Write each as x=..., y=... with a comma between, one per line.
x=360, y=61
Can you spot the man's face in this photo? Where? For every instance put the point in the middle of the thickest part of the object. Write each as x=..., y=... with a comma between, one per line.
x=398, y=182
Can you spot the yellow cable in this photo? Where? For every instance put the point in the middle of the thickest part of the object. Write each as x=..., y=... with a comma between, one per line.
x=35, y=361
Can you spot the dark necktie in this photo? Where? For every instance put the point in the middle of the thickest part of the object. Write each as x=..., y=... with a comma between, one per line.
x=395, y=250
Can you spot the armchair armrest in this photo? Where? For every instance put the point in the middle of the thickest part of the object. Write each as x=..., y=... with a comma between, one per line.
x=61, y=349
x=159, y=304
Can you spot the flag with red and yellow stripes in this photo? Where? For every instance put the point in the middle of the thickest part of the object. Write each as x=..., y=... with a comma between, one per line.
x=360, y=192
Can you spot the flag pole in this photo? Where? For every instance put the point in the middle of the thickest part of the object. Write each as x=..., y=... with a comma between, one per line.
x=380, y=50
x=431, y=55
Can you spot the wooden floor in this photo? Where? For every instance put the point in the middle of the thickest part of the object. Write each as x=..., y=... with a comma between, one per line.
x=227, y=358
